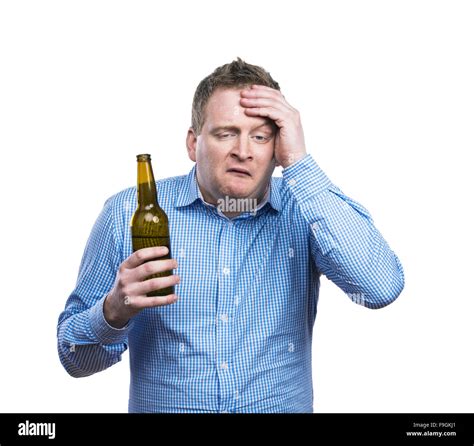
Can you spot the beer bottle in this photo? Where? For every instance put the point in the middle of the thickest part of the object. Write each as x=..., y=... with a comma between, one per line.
x=149, y=223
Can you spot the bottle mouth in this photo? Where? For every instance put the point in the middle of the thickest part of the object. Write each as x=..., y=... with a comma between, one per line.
x=144, y=157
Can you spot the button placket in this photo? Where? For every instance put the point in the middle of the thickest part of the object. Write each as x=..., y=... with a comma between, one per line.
x=223, y=315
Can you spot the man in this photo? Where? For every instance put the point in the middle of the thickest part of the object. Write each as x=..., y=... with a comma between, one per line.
x=238, y=337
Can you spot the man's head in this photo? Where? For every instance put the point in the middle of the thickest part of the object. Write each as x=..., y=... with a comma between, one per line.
x=234, y=152
x=235, y=75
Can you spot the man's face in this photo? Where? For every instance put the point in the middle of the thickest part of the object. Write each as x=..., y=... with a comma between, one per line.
x=234, y=152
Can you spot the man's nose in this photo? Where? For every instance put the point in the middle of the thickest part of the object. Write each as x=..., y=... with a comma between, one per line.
x=242, y=148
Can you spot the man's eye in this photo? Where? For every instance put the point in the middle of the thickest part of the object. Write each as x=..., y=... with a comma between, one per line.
x=225, y=135
x=260, y=138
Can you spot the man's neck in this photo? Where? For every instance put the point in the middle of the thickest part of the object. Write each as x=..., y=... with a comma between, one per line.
x=226, y=204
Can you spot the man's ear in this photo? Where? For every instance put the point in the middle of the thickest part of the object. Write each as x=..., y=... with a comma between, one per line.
x=191, y=144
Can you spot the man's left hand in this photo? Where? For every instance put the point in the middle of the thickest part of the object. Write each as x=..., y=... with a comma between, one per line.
x=267, y=102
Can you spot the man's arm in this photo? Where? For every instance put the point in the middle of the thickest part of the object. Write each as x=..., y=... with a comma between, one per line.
x=345, y=244
x=86, y=342
x=93, y=328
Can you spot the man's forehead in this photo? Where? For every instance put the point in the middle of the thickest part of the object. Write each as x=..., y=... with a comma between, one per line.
x=224, y=109
x=225, y=101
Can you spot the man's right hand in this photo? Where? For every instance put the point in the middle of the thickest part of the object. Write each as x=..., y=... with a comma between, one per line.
x=128, y=296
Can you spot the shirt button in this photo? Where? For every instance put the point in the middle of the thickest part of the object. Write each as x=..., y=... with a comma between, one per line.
x=224, y=317
x=224, y=365
x=224, y=411
x=226, y=271
x=237, y=300
x=291, y=181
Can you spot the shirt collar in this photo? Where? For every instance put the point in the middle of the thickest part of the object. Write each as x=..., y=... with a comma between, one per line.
x=190, y=192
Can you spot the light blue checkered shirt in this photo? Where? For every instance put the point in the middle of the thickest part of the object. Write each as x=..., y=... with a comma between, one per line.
x=239, y=337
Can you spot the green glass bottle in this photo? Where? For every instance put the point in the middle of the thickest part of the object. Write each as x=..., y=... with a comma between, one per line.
x=149, y=223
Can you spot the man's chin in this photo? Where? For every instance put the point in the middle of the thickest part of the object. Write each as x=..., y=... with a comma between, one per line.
x=238, y=194
x=236, y=191
x=241, y=189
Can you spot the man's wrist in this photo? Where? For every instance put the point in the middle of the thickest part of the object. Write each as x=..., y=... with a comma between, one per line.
x=111, y=317
x=103, y=331
x=292, y=158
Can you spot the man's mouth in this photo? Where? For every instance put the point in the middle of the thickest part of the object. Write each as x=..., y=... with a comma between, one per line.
x=239, y=171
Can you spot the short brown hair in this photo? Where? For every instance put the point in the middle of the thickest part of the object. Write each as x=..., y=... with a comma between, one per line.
x=236, y=74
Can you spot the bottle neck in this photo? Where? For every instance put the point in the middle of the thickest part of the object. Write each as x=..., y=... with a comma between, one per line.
x=146, y=186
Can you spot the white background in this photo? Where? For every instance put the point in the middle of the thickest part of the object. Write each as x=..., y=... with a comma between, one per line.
x=386, y=94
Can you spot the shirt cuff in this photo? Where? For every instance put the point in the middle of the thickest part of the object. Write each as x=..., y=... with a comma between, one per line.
x=305, y=179
x=105, y=333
